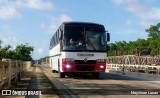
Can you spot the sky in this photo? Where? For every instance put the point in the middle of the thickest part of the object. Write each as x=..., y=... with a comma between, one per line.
x=34, y=22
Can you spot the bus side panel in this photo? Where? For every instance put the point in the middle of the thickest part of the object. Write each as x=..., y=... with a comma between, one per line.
x=54, y=54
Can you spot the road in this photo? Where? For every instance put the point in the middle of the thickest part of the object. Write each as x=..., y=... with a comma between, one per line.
x=108, y=85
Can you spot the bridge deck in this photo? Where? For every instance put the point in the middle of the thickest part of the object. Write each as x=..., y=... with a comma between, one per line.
x=34, y=80
x=82, y=85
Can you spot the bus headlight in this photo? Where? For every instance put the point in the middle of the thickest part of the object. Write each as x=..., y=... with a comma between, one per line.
x=101, y=66
x=68, y=66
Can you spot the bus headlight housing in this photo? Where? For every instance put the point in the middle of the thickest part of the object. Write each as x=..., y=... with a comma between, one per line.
x=101, y=60
x=68, y=60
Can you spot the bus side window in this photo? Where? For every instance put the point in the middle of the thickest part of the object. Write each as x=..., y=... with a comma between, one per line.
x=61, y=32
x=61, y=38
x=58, y=36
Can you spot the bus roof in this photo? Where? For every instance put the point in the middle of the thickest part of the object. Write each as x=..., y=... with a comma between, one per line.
x=81, y=23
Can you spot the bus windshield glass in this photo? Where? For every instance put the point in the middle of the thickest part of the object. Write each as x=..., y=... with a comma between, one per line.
x=84, y=38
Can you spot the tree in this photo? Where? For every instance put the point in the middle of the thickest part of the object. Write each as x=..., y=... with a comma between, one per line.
x=154, y=38
x=152, y=44
x=4, y=52
x=23, y=52
x=154, y=31
x=113, y=49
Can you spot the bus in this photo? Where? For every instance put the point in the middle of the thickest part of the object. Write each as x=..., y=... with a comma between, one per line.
x=79, y=47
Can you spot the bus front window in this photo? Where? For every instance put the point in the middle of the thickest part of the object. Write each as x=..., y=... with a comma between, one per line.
x=79, y=38
x=95, y=40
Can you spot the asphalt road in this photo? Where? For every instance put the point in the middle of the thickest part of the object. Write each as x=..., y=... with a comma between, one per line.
x=108, y=85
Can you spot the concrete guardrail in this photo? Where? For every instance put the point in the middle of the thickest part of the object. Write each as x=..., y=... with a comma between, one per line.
x=150, y=69
x=12, y=71
x=145, y=72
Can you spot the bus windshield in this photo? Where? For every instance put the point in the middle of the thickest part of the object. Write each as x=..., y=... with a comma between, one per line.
x=80, y=38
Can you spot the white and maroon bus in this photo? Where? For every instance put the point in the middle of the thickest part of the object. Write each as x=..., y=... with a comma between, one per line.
x=79, y=47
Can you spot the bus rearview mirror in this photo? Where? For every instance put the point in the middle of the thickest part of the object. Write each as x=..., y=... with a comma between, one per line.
x=107, y=37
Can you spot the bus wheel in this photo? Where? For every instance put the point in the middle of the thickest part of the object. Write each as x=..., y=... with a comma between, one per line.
x=62, y=75
x=54, y=71
x=95, y=75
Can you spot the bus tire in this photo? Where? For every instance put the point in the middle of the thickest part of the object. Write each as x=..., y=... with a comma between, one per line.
x=62, y=75
x=95, y=75
x=53, y=71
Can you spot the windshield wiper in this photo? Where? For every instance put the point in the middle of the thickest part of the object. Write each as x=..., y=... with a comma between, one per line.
x=90, y=43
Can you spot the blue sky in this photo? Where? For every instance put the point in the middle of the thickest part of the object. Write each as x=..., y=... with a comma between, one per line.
x=35, y=21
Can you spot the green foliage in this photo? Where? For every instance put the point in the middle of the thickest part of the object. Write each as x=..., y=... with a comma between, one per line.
x=142, y=45
x=22, y=52
x=4, y=52
x=154, y=31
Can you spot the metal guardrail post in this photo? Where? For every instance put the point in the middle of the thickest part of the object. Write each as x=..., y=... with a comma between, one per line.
x=23, y=69
x=123, y=69
x=1, y=75
x=157, y=72
x=19, y=70
x=16, y=74
x=146, y=69
x=9, y=74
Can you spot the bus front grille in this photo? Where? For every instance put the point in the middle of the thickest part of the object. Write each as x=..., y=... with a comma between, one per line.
x=83, y=62
x=85, y=68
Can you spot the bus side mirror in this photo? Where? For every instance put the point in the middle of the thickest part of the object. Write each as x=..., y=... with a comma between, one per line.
x=107, y=37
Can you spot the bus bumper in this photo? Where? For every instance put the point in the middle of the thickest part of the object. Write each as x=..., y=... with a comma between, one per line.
x=72, y=67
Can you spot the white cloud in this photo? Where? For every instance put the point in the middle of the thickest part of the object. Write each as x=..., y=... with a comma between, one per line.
x=8, y=37
x=9, y=9
x=40, y=50
x=8, y=12
x=145, y=13
x=55, y=23
x=8, y=40
x=145, y=23
x=118, y=1
x=65, y=18
x=35, y=4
